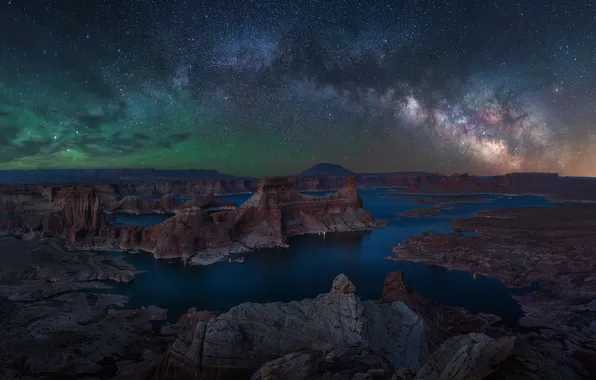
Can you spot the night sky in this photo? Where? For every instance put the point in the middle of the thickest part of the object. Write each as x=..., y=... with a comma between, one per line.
x=273, y=87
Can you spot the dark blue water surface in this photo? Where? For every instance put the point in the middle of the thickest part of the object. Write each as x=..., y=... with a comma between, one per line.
x=144, y=220
x=308, y=266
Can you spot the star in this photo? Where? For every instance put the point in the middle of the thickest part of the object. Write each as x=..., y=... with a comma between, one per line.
x=269, y=87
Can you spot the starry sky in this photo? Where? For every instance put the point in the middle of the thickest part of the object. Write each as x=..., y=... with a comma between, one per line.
x=272, y=87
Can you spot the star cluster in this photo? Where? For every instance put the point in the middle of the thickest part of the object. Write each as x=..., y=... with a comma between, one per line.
x=271, y=87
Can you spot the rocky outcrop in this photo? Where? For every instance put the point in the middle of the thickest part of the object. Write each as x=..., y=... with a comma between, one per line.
x=169, y=204
x=463, y=357
x=520, y=247
x=338, y=336
x=40, y=269
x=189, y=188
x=238, y=342
x=83, y=335
x=275, y=212
x=23, y=209
x=356, y=361
x=473, y=356
x=205, y=229
x=80, y=218
x=77, y=335
x=57, y=330
x=441, y=321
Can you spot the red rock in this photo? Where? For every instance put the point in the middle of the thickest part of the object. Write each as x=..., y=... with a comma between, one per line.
x=273, y=213
x=442, y=321
x=520, y=247
x=190, y=319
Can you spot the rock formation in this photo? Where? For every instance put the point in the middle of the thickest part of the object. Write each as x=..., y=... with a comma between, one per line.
x=80, y=218
x=522, y=246
x=276, y=211
x=23, y=208
x=441, y=321
x=473, y=356
x=238, y=342
x=39, y=269
x=355, y=361
x=205, y=229
x=64, y=331
x=168, y=204
x=338, y=336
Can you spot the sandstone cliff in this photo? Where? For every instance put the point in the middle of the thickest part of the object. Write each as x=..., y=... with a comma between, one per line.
x=276, y=211
x=202, y=230
x=338, y=336
x=235, y=344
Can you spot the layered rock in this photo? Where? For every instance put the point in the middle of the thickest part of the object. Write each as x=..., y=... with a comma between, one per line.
x=473, y=356
x=276, y=211
x=549, y=245
x=80, y=218
x=23, y=209
x=77, y=335
x=338, y=336
x=39, y=269
x=356, y=361
x=442, y=321
x=238, y=342
x=207, y=229
x=80, y=335
x=189, y=188
x=168, y=204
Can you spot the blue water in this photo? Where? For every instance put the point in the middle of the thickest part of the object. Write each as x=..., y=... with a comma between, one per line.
x=308, y=266
x=318, y=193
x=144, y=220
x=241, y=198
x=236, y=198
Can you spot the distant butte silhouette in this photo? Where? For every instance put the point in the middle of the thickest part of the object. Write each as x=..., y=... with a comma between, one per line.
x=324, y=169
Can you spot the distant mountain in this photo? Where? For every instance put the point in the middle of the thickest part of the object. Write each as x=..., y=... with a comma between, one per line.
x=324, y=169
x=115, y=176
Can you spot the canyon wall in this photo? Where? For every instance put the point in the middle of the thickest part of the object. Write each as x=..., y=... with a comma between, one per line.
x=207, y=226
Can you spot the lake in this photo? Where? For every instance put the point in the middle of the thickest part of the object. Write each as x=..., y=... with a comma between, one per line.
x=308, y=266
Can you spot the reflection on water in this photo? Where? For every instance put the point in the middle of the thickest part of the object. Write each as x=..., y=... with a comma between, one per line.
x=144, y=220
x=318, y=193
x=308, y=266
x=239, y=199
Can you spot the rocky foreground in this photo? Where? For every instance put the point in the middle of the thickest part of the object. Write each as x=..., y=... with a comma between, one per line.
x=80, y=334
x=551, y=246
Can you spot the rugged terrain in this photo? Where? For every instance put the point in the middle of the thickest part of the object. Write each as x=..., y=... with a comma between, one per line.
x=552, y=246
x=80, y=333
x=338, y=336
x=52, y=325
x=201, y=230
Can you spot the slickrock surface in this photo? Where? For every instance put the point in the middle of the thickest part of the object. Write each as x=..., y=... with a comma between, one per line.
x=337, y=336
x=356, y=361
x=472, y=356
x=57, y=333
x=82, y=335
x=238, y=342
x=39, y=269
x=554, y=245
x=441, y=321
x=76, y=335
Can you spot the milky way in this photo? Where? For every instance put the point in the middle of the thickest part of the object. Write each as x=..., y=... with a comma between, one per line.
x=272, y=87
